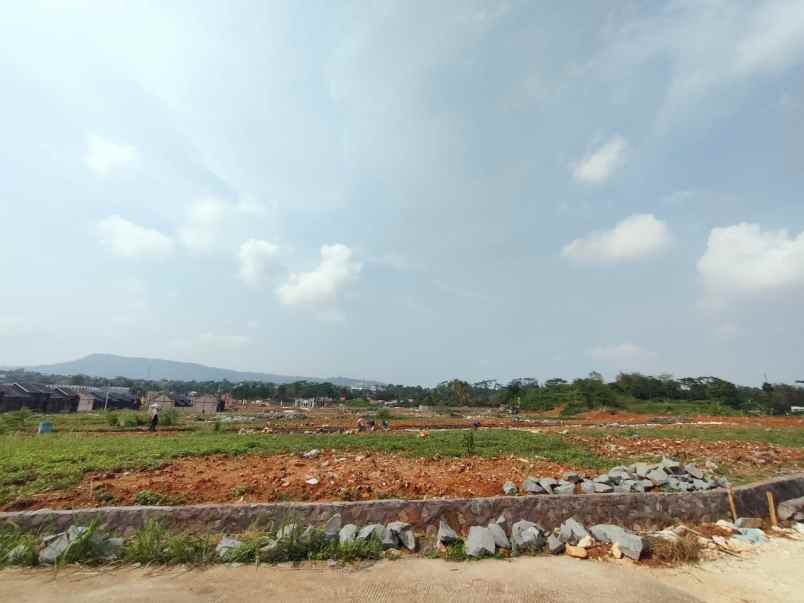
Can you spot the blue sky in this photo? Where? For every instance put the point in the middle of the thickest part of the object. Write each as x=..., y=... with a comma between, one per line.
x=406, y=191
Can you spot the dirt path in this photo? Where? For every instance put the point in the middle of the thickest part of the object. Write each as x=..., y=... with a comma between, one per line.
x=770, y=575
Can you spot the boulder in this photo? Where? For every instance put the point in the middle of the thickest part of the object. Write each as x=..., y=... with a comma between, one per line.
x=55, y=546
x=694, y=471
x=332, y=527
x=586, y=542
x=509, y=489
x=446, y=535
x=397, y=527
x=572, y=531
x=788, y=509
x=588, y=487
x=389, y=539
x=564, y=489
x=500, y=538
x=658, y=477
x=700, y=484
x=630, y=544
x=373, y=529
x=642, y=469
x=226, y=546
x=619, y=473
x=670, y=466
x=479, y=542
x=547, y=484
x=347, y=533
x=526, y=536
x=408, y=539
x=531, y=486
x=601, y=488
x=555, y=545
x=603, y=479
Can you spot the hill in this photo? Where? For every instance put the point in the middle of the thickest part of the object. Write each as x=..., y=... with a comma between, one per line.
x=110, y=366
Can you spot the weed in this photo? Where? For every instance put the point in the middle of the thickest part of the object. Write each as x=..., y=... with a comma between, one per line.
x=469, y=443
x=154, y=544
x=85, y=548
x=112, y=419
x=17, y=547
x=686, y=549
x=149, y=498
x=455, y=552
x=169, y=417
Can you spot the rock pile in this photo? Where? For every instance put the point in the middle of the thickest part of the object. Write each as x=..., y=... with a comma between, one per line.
x=571, y=538
x=667, y=475
x=57, y=546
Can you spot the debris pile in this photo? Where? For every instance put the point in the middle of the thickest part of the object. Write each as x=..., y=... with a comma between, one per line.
x=666, y=475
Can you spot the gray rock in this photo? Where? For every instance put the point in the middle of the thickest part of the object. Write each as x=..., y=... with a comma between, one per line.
x=789, y=508
x=479, y=542
x=622, y=489
x=572, y=531
x=630, y=544
x=642, y=469
x=389, y=539
x=397, y=527
x=555, y=545
x=501, y=520
x=564, y=489
x=603, y=479
x=658, y=477
x=531, y=486
x=669, y=466
x=75, y=532
x=347, y=533
x=601, y=488
x=547, y=484
x=700, y=484
x=526, y=536
x=572, y=477
x=55, y=547
x=226, y=546
x=408, y=539
x=588, y=487
x=332, y=527
x=509, y=489
x=619, y=473
x=311, y=454
x=446, y=534
x=694, y=471
x=373, y=529
x=113, y=547
x=500, y=538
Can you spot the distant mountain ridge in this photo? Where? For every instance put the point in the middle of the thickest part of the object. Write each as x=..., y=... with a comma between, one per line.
x=111, y=365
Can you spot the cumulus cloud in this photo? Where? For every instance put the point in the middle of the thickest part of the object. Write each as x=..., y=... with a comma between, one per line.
x=257, y=261
x=104, y=156
x=336, y=269
x=635, y=237
x=621, y=352
x=745, y=260
x=128, y=240
x=599, y=165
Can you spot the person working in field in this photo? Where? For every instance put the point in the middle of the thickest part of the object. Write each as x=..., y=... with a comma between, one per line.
x=154, y=412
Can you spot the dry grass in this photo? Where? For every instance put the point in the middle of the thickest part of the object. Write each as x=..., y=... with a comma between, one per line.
x=687, y=549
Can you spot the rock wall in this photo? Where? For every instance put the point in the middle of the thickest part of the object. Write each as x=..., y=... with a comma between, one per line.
x=635, y=511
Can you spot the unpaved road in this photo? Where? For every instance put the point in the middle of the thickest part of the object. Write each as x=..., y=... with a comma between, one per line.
x=772, y=574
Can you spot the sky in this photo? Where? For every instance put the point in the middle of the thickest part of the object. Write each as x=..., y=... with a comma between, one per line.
x=406, y=191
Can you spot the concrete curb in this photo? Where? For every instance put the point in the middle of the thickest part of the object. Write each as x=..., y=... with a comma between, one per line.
x=635, y=511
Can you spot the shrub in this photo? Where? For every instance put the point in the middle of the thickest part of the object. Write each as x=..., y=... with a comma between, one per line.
x=112, y=419
x=131, y=419
x=169, y=416
x=149, y=498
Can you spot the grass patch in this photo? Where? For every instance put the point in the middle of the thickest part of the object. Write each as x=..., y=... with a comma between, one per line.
x=792, y=437
x=34, y=465
x=153, y=544
x=17, y=547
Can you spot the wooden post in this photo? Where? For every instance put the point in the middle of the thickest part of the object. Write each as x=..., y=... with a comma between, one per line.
x=731, y=504
x=772, y=509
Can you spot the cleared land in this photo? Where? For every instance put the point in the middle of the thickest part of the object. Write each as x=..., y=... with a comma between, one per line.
x=258, y=457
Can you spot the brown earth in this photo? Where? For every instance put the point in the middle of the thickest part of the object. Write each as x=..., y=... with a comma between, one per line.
x=341, y=476
x=737, y=458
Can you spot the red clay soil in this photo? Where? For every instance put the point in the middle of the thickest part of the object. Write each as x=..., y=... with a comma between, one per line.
x=736, y=457
x=283, y=477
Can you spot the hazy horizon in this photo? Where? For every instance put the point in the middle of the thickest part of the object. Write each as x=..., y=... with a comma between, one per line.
x=406, y=191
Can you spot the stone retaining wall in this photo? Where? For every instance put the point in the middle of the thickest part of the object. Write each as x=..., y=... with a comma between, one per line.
x=636, y=511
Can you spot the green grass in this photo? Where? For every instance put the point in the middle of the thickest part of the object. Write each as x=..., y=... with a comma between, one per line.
x=680, y=408
x=35, y=464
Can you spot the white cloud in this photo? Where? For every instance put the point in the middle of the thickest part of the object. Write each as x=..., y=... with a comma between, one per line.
x=204, y=221
x=257, y=261
x=744, y=260
x=337, y=268
x=104, y=157
x=635, y=237
x=598, y=166
x=128, y=240
x=621, y=352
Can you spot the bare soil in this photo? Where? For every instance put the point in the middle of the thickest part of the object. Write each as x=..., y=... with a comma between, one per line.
x=340, y=476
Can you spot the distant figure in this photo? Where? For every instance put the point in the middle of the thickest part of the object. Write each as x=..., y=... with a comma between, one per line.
x=385, y=424
x=476, y=425
x=372, y=425
x=361, y=424
x=154, y=411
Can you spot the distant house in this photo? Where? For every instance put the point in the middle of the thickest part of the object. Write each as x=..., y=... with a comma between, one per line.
x=208, y=404
x=37, y=398
x=106, y=399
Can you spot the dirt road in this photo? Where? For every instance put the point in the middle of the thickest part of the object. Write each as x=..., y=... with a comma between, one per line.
x=770, y=575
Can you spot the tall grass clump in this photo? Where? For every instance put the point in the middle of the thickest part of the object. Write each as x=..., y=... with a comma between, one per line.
x=153, y=544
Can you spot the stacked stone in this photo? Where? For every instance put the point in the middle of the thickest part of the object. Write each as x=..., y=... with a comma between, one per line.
x=667, y=475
